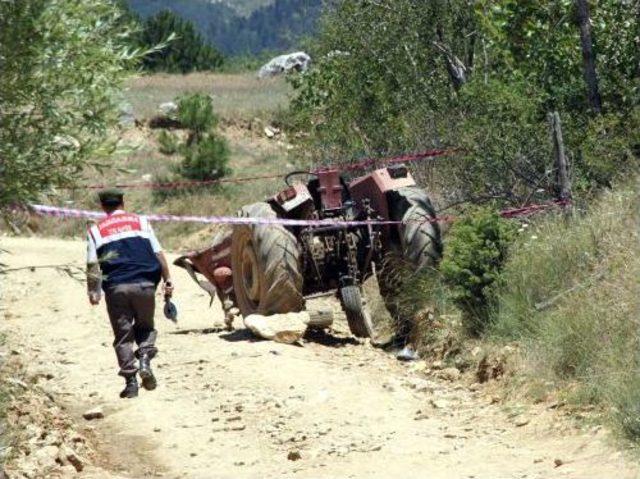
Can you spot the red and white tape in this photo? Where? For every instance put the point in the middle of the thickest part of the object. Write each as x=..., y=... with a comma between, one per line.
x=234, y=220
x=226, y=220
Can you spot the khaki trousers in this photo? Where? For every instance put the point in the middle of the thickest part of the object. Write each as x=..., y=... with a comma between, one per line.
x=131, y=308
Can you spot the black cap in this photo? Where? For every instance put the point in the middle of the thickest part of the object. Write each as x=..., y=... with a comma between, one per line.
x=111, y=197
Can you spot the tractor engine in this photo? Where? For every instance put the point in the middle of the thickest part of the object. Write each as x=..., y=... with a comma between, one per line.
x=333, y=255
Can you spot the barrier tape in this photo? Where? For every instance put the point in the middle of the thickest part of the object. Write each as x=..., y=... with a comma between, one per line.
x=228, y=220
x=532, y=209
x=234, y=220
x=366, y=163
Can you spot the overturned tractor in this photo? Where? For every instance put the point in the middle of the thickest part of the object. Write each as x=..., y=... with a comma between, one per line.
x=272, y=268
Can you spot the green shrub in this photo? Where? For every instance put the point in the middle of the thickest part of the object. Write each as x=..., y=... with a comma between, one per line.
x=62, y=64
x=168, y=143
x=499, y=160
x=206, y=160
x=195, y=113
x=205, y=154
x=609, y=147
x=475, y=252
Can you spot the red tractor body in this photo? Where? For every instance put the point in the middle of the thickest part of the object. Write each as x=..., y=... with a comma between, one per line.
x=274, y=267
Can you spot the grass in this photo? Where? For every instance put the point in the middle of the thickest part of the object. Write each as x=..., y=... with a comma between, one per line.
x=572, y=298
x=236, y=96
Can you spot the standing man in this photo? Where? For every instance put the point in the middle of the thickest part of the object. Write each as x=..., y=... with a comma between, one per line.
x=125, y=258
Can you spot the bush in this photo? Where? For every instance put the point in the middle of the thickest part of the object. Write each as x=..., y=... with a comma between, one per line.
x=474, y=255
x=369, y=94
x=206, y=160
x=499, y=161
x=195, y=113
x=205, y=154
x=168, y=143
x=609, y=147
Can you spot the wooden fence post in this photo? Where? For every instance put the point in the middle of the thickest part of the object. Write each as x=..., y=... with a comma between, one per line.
x=561, y=165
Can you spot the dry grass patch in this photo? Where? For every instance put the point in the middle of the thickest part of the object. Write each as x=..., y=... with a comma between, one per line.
x=572, y=298
x=240, y=95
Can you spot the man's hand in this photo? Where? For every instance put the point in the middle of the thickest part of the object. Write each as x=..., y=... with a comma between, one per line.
x=167, y=288
x=94, y=298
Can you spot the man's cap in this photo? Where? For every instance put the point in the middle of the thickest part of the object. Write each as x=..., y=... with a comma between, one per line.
x=111, y=196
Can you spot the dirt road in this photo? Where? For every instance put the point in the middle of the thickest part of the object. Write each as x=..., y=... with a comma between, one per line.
x=231, y=407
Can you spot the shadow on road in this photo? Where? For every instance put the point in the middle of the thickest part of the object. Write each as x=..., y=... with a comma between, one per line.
x=324, y=338
x=198, y=331
x=313, y=336
x=240, y=335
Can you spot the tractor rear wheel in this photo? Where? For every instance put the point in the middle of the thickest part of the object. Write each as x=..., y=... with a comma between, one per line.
x=355, y=308
x=418, y=245
x=265, y=260
x=419, y=235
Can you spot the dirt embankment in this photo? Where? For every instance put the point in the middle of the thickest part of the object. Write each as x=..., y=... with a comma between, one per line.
x=230, y=406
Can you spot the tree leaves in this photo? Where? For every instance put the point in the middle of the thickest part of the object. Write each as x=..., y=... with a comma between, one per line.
x=63, y=62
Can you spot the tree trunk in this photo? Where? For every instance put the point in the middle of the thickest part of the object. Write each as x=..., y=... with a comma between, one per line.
x=637, y=60
x=561, y=165
x=588, y=55
x=455, y=67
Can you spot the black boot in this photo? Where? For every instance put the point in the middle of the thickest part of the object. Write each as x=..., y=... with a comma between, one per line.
x=148, y=379
x=131, y=388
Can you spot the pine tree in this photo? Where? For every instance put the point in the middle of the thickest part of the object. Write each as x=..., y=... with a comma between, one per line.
x=187, y=51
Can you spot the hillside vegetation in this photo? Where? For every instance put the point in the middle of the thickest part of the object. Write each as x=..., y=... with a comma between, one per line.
x=483, y=76
x=274, y=26
x=571, y=295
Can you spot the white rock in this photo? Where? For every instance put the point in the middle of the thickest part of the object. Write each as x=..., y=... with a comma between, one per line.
x=46, y=457
x=271, y=131
x=95, y=413
x=168, y=109
x=282, y=328
x=298, y=61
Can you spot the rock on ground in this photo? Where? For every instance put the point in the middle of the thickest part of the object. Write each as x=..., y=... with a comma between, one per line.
x=298, y=61
x=95, y=413
x=169, y=109
x=282, y=328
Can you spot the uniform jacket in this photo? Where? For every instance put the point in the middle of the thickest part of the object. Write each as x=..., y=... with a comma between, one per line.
x=125, y=246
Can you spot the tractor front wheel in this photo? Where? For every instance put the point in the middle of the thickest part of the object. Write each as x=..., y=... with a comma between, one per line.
x=265, y=260
x=357, y=312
